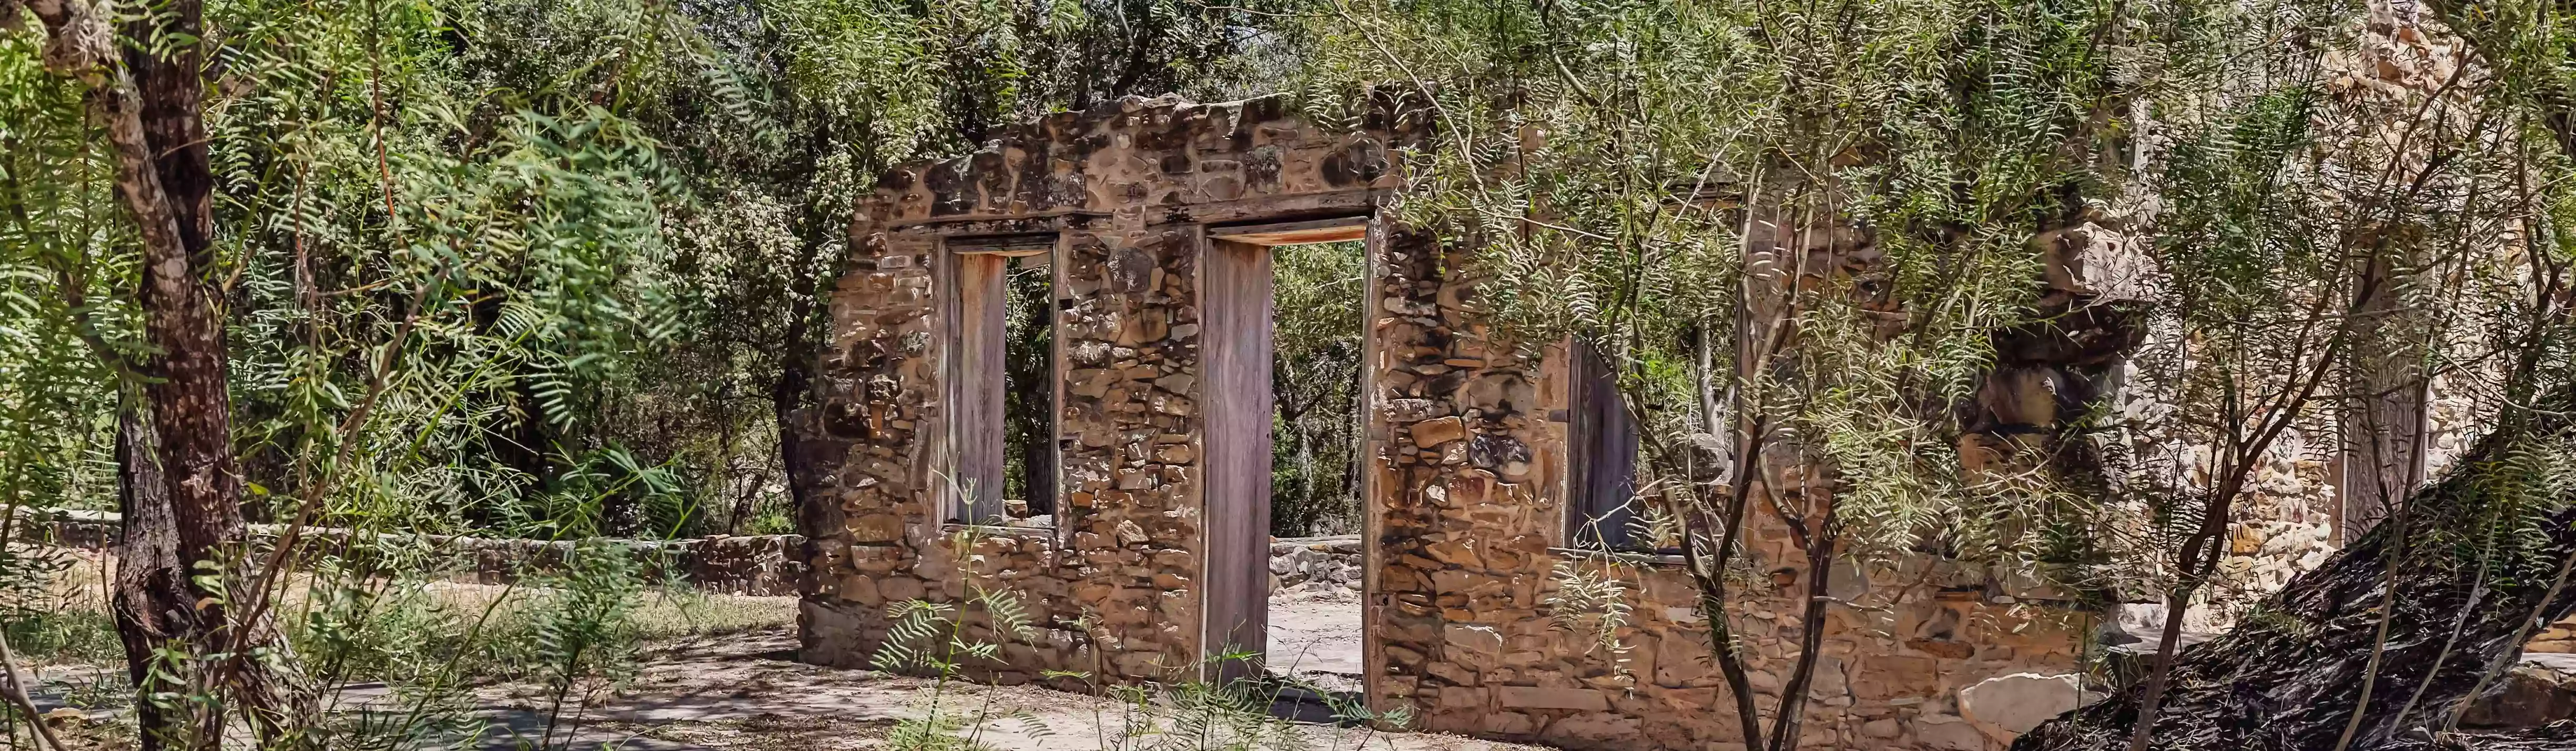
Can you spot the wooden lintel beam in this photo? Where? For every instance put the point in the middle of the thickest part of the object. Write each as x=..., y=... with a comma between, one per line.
x=1004, y=245
x=957, y=225
x=1336, y=229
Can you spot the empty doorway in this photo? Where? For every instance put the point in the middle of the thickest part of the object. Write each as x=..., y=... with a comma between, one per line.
x=1284, y=306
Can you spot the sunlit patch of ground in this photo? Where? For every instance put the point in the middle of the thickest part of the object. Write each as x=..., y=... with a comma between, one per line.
x=718, y=672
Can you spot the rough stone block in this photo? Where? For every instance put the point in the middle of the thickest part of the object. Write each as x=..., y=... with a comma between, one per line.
x=1461, y=697
x=1506, y=723
x=877, y=528
x=1451, y=672
x=1598, y=728
x=1535, y=697
x=900, y=588
x=1474, y=645
x=1429, y=433
x=2017, y=702
x=1947, y=733
x=861, y=590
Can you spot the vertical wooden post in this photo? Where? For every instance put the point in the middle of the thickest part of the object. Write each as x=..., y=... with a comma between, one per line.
x=1236, y=351
x=976, y=432
x=1601, y=447
x=1372, y=440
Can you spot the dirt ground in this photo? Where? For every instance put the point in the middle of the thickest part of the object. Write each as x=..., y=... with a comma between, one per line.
x=721, y=674
x=741, y=692
x=745, y=692
x=1315, y=636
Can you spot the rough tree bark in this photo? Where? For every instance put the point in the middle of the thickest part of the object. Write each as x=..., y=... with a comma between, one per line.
x=2290, y=679
x=148, y=589
x=788, y=398
x=187, y=386
x=149, y=101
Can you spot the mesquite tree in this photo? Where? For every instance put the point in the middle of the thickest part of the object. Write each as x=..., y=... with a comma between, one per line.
x=1797, y=234
x=144, y=84
x=1820, y=243
x=541, y=268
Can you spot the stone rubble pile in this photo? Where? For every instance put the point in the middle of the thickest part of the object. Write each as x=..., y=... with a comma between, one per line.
x=1315, y=563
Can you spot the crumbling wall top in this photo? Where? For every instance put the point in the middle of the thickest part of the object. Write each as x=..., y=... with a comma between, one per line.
x=1144, y=161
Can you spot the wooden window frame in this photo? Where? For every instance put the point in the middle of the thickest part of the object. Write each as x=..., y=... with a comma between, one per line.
x=1595, y=409
x=977, y=273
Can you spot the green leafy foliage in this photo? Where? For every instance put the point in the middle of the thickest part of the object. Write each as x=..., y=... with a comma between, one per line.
x=1319, y=292
x=1623, y=171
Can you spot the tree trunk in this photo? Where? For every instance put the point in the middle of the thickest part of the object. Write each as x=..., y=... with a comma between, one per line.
x=2288, y=679
x=191, y=408
x=149, y=104
x=798, y=358
x=787, y=395
x=151, y=595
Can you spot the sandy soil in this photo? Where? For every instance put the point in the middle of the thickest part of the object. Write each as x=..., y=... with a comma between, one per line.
x=1315, y=636
x=743, y=692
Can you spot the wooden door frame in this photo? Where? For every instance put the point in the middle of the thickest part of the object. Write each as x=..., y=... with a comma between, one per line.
x=1217, y=566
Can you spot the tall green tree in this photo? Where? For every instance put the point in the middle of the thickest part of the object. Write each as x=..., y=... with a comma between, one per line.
x=548, y=269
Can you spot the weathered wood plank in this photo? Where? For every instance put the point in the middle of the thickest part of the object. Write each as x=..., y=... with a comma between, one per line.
x=976, y=433
x=1269, y=208
x=1025, y=244
x=998, y=224
x=1601, y=442
x=1336, y=229
x=1236, y=347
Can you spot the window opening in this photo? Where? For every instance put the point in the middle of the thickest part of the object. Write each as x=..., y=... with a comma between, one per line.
x=1005, y=376
x=1028, y=391
x=1601, y=453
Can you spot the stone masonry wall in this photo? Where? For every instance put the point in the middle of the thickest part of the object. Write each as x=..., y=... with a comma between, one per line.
x=1467, y=508
x=1129, y=187
x=1464, y=555
x=1467, y=495
x=1316, y=563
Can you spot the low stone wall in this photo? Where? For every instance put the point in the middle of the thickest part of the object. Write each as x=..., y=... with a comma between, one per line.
x=1315, y=563
x=71, y=528
x=760, y=565
x=2557, y=639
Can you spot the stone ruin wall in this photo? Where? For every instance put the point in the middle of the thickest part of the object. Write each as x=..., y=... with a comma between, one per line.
x=2299, y=496
x=1316, y=563
x=1115, y=593
x=1467, y=500
x=1466, y=487
x=1466, y=490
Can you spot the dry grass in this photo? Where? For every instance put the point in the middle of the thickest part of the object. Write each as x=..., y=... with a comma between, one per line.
x=69, y=624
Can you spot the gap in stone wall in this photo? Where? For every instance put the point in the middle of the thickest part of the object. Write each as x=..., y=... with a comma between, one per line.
x=1030, y=373
x=1315, y=567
